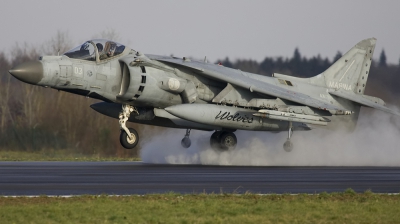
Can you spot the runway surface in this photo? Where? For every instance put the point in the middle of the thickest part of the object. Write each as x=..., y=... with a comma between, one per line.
x=75, y=178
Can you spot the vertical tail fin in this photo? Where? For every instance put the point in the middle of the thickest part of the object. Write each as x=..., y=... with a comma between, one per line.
x=350, y=72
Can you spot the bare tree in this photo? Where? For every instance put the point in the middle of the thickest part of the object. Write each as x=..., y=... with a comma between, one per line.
x=58, y=44
x=109, y=33
x=21, y=53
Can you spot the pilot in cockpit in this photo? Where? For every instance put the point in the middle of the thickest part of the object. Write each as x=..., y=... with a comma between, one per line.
x=100, y=50
x=110, y=48
x=87, y=51
x=99, y=47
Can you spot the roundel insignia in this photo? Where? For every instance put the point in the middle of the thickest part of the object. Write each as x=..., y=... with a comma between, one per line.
x=173, y=84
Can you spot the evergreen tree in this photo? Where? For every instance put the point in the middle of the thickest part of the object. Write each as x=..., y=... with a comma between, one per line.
x=296, y=63
x=227, y=63
x=296, y=55
x=337, y=56
x=382, y=59
x=267, y=66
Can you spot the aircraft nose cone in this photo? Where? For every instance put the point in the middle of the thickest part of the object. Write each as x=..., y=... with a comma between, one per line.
x=30, y=72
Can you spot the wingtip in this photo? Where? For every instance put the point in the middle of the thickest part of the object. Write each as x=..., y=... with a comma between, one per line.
x=366, y=43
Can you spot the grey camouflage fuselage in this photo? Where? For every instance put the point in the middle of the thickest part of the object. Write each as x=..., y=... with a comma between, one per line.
x=190, y=94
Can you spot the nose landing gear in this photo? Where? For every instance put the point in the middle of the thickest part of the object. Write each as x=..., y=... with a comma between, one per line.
x=129, y=137
x=288, y=145
x=186, y=140
x=129, y=141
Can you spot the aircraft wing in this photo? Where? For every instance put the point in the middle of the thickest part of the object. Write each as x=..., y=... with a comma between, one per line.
x=237, y=78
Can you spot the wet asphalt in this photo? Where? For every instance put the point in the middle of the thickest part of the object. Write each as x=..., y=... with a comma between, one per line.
x=77, y=178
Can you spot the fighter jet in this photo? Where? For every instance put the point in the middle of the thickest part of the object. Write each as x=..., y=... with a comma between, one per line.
x=194, y=94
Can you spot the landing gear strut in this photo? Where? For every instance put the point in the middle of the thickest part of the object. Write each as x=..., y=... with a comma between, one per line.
x=288, y=145
x=129, y=137
x=223, y=140
x=186, y=140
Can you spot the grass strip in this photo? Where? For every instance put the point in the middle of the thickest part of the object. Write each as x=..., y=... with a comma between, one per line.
x=58, y=155
x=347, y=207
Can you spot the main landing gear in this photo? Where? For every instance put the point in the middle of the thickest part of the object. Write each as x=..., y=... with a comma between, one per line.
x=223, y=140
x=288, y=145
x=129, y=137
x=220, y=140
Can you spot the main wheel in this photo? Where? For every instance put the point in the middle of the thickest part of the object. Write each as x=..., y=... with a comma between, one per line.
x=227, y=141
x=186, y=142
x=288, y=146
x=214, y=140
x=129, y=143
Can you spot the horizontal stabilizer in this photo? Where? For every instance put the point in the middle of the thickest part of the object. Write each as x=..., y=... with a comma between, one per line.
x=364, y=100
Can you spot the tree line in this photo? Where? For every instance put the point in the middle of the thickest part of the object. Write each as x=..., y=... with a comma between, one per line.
x=34, y=118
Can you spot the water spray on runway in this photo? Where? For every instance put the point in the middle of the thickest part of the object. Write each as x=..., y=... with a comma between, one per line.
x=375, y=142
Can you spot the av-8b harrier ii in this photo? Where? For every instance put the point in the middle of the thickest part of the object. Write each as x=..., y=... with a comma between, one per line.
x=190, y=94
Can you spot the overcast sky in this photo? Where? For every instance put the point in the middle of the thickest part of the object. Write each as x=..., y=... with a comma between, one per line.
x=216, y=29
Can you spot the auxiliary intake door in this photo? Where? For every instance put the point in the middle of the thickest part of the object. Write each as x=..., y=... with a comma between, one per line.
x=65, y=71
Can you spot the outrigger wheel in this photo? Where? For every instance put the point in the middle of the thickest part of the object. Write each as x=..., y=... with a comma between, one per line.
x=129, y=142
x=186, y=140
x=288, y=145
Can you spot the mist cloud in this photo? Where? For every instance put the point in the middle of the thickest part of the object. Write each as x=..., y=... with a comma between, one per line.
x=375, y=142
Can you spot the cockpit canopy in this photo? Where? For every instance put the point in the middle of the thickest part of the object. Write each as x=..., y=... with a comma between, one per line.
x=98, y=49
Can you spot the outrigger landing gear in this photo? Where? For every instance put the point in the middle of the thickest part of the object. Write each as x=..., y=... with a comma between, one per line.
x=186, y=140
x=223, y=140
x=129, y=137
x=288, y=145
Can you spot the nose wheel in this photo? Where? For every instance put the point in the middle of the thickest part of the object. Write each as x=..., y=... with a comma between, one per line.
x=186, y=142
x=129, y=141
x=129, y=137
x=288, y=145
